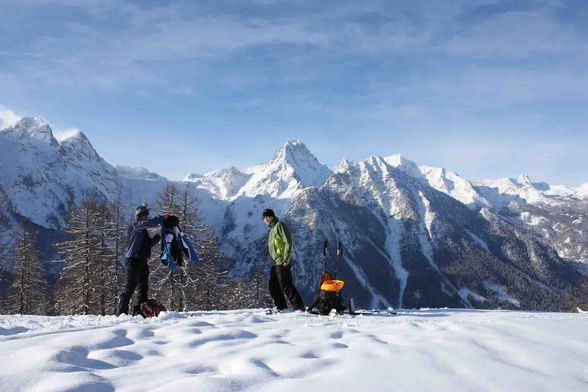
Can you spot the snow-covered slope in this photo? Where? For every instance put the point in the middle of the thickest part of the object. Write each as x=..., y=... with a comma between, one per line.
x=138, y=185
x=455, y=186
x=405, y=165
x=441, y=350
x=442, y=180
x=223, y=184
x=507, y=189
x=582, y=190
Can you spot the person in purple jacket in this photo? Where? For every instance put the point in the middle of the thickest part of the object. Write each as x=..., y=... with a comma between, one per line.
x=138, y=252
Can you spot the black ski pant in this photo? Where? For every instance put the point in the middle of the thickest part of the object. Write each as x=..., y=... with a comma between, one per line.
x=137, y=278
x=280, y=283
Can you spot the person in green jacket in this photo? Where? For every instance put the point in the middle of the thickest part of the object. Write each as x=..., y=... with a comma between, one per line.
x=280, y=251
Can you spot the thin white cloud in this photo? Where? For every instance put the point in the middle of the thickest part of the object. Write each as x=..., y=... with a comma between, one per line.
x=515, y=36
x=116, y=59
x=65, y=134
x=7, y=117
x=420, y=69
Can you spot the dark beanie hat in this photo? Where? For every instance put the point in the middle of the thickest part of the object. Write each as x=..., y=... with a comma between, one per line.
x=141, y=210
x=268, y=212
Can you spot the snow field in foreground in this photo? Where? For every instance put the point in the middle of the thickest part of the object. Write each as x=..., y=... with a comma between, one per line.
x=426, y=350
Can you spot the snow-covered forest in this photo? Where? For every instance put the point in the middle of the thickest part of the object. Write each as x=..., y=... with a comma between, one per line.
x=92, y=265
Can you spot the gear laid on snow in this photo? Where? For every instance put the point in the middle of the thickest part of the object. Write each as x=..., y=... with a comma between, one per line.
x=149, y=308
x=329, y=297
x=286, y=310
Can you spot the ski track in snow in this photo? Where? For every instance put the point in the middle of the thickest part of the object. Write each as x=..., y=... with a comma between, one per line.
x=426, y=350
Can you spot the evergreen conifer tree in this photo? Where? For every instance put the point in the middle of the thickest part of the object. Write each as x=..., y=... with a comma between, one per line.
x=28, y=292
x=193, y=285
x=88, y=275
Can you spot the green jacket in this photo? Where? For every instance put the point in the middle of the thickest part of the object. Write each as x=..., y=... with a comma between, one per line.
x=279, y=242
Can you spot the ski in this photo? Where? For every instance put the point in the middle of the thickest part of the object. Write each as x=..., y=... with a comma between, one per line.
x=283, y=311
x=375, y=312
x=270, y=312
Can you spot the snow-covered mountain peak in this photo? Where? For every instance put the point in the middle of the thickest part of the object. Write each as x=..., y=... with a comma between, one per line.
x=504, y=185
x=43, y=177
x=223, y=183
x=373, y=171
x=78, y=144
x=582, y=190
x=453, y=185
x=74, y=136
x=376, y=161
x=505, y=190
x=343, y=166
x=296, y=155
x=292, y=151
x=192, y=177
x=138, y=173
x=228, y=172
x=32, y=128
x=292, y=168
x=405, y=165
x=33, y=123
x=524, y=180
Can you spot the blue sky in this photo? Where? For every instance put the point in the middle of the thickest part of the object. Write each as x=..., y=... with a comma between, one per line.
x=487, y=89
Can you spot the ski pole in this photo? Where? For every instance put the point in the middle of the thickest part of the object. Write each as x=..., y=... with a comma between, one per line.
x=339, y=257
x=325, y=254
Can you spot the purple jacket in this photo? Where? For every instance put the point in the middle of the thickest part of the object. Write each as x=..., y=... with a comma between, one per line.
x=139, y=243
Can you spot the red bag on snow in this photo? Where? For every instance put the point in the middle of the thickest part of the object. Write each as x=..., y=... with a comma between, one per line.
x=150, y=308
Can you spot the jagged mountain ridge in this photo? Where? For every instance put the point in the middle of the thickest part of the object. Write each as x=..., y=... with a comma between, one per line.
x=292, y=168
x=411, y=245
x=42, y=177
x=557, y=214
x=405, y=259
x=405, y=236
